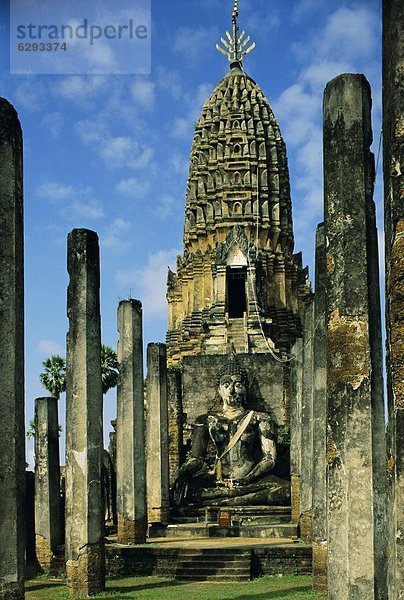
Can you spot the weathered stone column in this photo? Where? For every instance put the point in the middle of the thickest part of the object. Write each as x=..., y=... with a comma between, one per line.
x=307, y=425
x=393, y=158
x=12, y=428
x=174, y=392
x=296, y=381
x=48, y=524
x=130, y=449
x=84, y=442
x=319, y=422
x=355, y=435
x=158, y=502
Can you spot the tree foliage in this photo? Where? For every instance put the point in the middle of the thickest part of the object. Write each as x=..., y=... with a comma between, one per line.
x=109, y=368
x=53, y=378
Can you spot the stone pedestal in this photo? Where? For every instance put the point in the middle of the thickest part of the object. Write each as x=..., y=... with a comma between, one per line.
x=355, y=434
x=12, y=427
x=84, y=441
x=393, y=158
x=48, y=524
x=319, y=421
x=296, y=383
x=158, y=502
x=130, y=439
x=307, y=425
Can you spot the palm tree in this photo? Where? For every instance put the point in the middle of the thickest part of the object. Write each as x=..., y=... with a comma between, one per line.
x=109, y=368
x=53, y=378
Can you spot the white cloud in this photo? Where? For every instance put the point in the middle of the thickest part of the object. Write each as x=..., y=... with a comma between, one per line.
x=170, y=81
x=318, y=73
x=116, y=151
x=296, y=110
x=143, y=93
x=304, y=7
x=350, y=32
x=133, y=187
x=55, y=191
x=165, y=206
x=78, y=88
x=113, y=235
x=180, y=164
x=123, y=151
x=90, y=209
x=194, y=43
x=49, y=347
x=183, y=126
x=30, y=94
x=150, y=282
x=74, y=202
x=344, y=44
x=54, y=123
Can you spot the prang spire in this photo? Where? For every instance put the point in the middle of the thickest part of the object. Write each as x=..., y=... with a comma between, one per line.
x=235, y=47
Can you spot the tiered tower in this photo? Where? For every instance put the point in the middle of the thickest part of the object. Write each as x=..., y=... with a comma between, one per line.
x=238, y=284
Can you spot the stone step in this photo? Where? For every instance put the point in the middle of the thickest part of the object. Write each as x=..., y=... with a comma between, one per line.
x=212, y=530
x=265, y=519
x=224, y=564
x=282, y=530
x=235, y=510
x=210, y=571
x=215, y=560
x=212, y=577
x=210, y=566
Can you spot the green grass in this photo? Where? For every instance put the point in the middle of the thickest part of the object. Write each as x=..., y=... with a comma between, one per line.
x=158, y=588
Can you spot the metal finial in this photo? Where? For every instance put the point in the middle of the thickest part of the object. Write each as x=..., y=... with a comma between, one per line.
x=235, y=47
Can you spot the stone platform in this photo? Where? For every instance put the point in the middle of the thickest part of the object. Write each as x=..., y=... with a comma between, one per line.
x=242, y=521
x=207, y=559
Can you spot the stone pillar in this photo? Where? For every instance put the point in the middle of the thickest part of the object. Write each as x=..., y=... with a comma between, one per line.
x=307, y=425
x=12, y=427
x=393, y=158
x=296, y=376
x=319, y=422
x=176, y=421
x=131, y=462
x=158, y=502
x=355, y=424
x=84, y=442
x=48, y=525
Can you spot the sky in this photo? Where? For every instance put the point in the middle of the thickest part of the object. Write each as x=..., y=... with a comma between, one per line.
x=110, y=152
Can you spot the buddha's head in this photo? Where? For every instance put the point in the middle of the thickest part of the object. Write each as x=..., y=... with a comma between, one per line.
x=233, y=383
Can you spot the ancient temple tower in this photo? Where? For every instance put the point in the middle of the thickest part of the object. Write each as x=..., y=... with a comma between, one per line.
x=238, y=286
x=238, y=283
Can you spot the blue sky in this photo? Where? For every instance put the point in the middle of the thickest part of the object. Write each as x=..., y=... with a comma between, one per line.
x=110, y=152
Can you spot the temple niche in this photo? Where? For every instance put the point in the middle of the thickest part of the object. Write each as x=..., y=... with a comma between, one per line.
x=239, y=287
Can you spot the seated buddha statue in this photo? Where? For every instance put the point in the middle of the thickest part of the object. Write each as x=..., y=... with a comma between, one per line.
x=233, y=452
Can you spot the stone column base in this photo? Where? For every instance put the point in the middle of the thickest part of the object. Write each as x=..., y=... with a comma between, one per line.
x=86, y=576
x=132, y=532
x=306, y=526
x=44, y=553
x=320, y=566
x=158, y=515
x=12, y=591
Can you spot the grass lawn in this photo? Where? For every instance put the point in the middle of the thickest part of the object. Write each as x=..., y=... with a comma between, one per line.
x=157, y=588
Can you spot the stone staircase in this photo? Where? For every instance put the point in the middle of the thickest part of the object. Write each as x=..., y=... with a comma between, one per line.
x=237, y=336
x=214, y=564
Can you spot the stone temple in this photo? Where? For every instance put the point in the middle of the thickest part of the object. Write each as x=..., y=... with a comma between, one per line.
x=262, y=416
x=238, y=284
x=239, y=287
